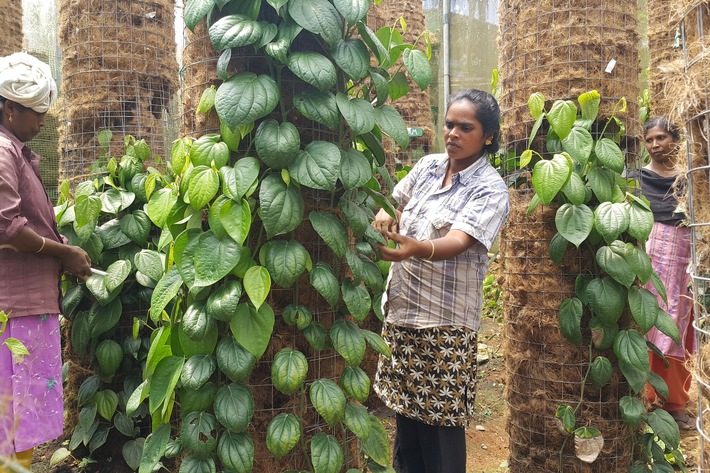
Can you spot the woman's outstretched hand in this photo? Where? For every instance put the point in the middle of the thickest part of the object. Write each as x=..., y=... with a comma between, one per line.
x=384, y=222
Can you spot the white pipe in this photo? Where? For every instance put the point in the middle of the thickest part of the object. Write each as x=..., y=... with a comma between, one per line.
x=446, y=7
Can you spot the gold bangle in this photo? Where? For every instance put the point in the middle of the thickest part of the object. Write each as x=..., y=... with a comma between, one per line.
x=41, y=247
x=432, y=249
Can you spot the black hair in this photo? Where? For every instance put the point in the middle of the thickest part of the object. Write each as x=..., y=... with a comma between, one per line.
x=487, y=112
x=663, y=123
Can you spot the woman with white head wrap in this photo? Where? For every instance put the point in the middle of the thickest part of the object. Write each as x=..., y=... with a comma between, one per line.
x=33, y=256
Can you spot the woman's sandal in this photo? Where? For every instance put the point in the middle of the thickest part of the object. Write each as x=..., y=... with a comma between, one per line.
x=683, y=419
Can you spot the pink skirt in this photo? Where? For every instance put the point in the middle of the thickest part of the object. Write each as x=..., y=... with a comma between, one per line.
x=32, y=406
x=668, y=247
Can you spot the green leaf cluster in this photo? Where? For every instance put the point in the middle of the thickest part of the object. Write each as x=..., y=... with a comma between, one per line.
x=582, y=175
x=194, y=247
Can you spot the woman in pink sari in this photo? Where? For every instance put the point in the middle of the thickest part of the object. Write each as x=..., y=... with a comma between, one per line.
x=668, y=246
x=33, y=256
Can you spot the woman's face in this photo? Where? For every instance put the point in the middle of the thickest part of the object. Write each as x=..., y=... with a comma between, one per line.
x=660, y=145
x=463, y=135
x=23, y=122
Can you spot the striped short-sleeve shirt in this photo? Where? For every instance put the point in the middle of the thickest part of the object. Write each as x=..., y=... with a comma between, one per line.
x=422, y=293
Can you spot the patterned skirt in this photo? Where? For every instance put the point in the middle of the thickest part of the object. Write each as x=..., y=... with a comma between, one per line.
x=431, y=376
x=32, y=407
x=668, y=247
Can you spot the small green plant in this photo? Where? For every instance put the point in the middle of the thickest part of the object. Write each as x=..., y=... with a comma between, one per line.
x=583, y=178
x=492, y=307
x=16, y=347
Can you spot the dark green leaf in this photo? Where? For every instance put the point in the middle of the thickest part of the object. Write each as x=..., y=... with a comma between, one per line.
x=281, y=206
x=246, y=97
x=630, y=349
x=317, y=166
x=574, y=222
x=317, y=16
x=331, y=230
x=282, y=434
x=314, y=69
x=289, y=370
x=644, y=307
x=318, y=106
x=277, y=144
x=418, y=67
x=285, y=260
x=352, y=56
x=359, y=113
x=570, y=317
x=234, y=407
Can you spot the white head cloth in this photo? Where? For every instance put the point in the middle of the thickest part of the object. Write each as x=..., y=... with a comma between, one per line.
x=28, y=81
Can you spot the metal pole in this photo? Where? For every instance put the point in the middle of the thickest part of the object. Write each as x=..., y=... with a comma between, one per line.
x=446, y=7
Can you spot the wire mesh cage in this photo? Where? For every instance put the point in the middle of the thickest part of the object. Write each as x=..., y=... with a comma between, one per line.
x=416, y=107
x=40, y=33
x=562, y=49
x=199, y=72
x=543, y=369
x=11, y=38
x=119, y=73
x=692, y=108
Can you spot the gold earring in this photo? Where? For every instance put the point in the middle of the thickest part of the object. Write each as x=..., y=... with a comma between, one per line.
x=488, y=141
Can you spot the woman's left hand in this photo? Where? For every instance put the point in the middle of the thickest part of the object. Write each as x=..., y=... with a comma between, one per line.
x=406, y=248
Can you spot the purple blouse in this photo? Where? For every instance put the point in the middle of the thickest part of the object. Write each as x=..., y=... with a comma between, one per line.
x=29, y=283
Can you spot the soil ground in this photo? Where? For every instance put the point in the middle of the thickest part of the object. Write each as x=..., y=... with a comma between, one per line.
x=487, y=439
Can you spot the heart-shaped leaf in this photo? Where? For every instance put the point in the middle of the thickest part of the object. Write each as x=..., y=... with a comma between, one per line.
x=285, y=260
x=611, y=220
x=349, y=341
x=282, y=434
x=318, y=106
x=235, y=31
x=317, y=166
x=281, y=205
x=328, y=399
x=574, y=222
x=359, y=113
x=325, y=282
x=352, y=57
x=252, y=328
x=392, y=124
x=418, y=67
x=214, y=258
x=609, y=154
x=561, y=117
x=313, y=68
x=352, y=10
x=277, y=144
x=317, y=16
x=550, y=175
x=289, y=370
x=607, y=299
x=579, y=144
x=246, y=97
x=326, y=454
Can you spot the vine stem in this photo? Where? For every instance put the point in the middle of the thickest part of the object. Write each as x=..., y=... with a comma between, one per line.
x=579, y=404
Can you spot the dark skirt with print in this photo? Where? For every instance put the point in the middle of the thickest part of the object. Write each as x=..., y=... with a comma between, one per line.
x=431, y=376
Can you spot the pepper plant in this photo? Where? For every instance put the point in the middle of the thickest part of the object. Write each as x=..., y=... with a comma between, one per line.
x=598, y=212
x=205, y=239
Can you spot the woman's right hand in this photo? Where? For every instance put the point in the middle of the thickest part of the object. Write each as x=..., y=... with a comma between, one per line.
x=76, y=262
x=384, y=222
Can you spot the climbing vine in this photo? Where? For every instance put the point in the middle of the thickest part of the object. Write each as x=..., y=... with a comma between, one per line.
x=599, y=212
